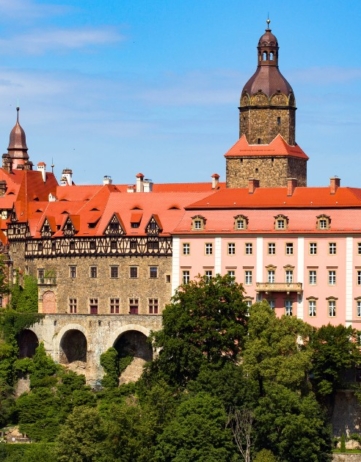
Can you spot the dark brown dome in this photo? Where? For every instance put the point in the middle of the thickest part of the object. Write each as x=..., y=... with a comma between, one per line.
x=267, y=78
x=17, y=143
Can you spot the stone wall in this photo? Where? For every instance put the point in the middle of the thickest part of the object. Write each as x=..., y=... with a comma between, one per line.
x=270, y=171
x=83, y=287
x=262, y=124
x=101, y=332
x=346, y=417
x=346, y=458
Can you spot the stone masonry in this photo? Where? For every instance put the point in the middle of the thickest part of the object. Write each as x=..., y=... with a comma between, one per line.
x=270, y=171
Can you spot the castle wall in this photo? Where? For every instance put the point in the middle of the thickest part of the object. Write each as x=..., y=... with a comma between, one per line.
x=270, y=171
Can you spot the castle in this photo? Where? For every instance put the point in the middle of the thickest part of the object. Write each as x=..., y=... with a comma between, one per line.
x=109, y=257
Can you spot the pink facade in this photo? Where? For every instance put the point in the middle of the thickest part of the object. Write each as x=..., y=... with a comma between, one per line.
x=309, y=269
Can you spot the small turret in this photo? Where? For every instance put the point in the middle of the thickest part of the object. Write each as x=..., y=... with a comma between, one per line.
x=18, y=150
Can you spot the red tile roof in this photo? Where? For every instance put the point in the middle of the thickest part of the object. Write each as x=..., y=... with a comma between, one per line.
x=277, y=148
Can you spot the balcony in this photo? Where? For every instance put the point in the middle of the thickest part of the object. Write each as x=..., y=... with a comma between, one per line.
x=51, y=281
x=279, y=287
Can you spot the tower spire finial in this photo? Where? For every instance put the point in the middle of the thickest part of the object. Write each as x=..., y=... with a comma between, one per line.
x=17, y=112
x=268, y=21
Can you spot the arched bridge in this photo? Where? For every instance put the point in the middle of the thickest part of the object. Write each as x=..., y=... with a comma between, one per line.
x=78, y=340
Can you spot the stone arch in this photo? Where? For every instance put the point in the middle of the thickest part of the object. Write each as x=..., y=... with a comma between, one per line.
x=73, y=346
x=132, y=340
x=28, y=343
x=279, y=99
x=259, y=99
x=49, y=302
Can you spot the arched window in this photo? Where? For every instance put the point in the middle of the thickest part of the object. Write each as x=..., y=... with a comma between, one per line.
x=271, y=56
x=265, y=56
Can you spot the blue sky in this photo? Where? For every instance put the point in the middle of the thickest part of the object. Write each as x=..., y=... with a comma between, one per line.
x=117, y=87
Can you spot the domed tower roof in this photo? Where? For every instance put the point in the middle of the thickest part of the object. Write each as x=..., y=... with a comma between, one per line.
x=17, y=144
x=267, y=78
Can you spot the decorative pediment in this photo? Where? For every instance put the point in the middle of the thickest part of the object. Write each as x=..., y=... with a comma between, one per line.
x=69, y=227
x=281, y=222
x=47, y=229
x=154, y=226
x=323, y=222
x=198, y=222
x=115, y=226
x=240, y=222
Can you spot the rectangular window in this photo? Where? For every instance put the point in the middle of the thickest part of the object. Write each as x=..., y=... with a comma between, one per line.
x=153, y=306
x=231, y=248
x=249, y=248
x=93, y=271
x=248, y=303
x=92, y=245
x=332, y=308
x=312, y=307
x=313, y=248
x=186, y=277
x=231, y=273
x=289, y=276
x=312, y=277
x=41, y=273
x=113, y=245
x=281, y=224
x=133, y=272
x=153, y=272
x=332, y=248
x=133, y=305
x=332, y=278
x=114, y=305
x=323, y=223
x=72, y=245
x=359, y=248
x=359, y=278
x=72, y=272
x=114, y=272
x=209, y=274
x=73, y=305
x=209, y=248
x=288, y=308
x=133, y=245
x=271, y=248
x=358, y=308
x=248, y=277
x=272, y=304
x=93, y=305
x=271, y=276
x=289, y=248
x=241, y=224
x=153, y=245
x=40, y=247
x=186, y=248
x=197, y=224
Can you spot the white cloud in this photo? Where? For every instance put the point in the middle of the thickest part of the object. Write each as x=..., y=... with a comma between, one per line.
x=24, y=10
x=324, y=75
x=41, y=41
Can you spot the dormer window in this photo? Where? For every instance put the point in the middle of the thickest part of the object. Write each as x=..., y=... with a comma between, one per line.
x=323, y=222
x=198, y=223
x=240, y=222
x=114, y=227
x=154, y=226
x=281, y=222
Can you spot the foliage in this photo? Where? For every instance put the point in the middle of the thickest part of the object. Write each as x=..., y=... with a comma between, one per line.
x=24, y=299
x=343, y=443
x=205, y=323
x=265, y=456
x=197, y=433
x=4, y=286
x=110, y=363
x=81, y=437
x=334, y=352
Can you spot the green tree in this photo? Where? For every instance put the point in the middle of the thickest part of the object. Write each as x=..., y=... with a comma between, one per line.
x=205, y=323
x=81, y=437
x=335, y=351
x=24, y=299
x=110, y=363
x=197, y=433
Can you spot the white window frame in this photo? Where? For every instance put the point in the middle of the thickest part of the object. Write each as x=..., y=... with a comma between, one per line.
x=248, y=277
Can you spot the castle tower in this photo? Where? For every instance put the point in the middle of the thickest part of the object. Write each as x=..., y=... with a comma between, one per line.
x=18, y=150
x=267, y=148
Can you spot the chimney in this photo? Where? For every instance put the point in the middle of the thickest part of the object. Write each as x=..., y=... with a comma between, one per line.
x=66, y=177
x=7, y=163
x=215, y=180
x=147, y=185
x=42, y=168
x=252, y=185
x=139, y=182
x=291, y=186
x=335, y=183
x=107, y=180
x=2, y=187
x=131, y=188
x=51, y=197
